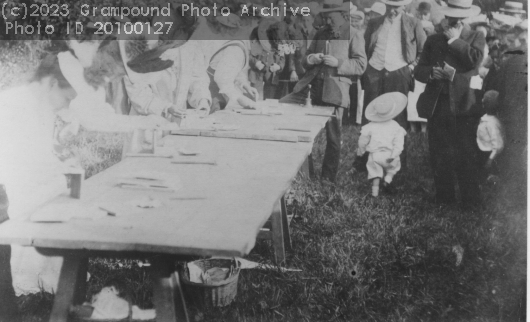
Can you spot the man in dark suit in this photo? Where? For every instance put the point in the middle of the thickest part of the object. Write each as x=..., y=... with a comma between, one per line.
x=393, y=43
x=335, y=56
x=449, y=102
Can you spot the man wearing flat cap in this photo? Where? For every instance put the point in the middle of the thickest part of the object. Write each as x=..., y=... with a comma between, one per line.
x=335, y=56
x=394, y=43
x=449, y=65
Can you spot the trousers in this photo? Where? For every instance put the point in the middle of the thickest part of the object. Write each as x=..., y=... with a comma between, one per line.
x=378, y=167
x=378, y=82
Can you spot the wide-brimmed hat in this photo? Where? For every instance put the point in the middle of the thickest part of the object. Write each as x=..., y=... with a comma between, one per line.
x=386, y=107
x=263, y=37
x=377, y=7
x=460, y=9
x=335, y=5
x=150, y=61
x=513, y=7
x=396, y=3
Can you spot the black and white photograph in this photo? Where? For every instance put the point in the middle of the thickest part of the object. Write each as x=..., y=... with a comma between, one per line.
x=263, y=160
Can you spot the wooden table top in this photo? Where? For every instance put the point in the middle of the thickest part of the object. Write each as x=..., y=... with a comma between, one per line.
x=269, y=127
x=218, y=211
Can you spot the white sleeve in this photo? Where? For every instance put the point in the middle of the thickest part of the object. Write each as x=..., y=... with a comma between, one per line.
x=230, y=65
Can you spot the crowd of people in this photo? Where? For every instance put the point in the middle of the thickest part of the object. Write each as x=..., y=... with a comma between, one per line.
x=360, y=55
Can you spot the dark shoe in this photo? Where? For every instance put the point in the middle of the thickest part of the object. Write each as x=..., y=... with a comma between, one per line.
x=389, y=188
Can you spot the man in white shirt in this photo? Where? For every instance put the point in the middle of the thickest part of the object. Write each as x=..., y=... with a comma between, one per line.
x=394, y=43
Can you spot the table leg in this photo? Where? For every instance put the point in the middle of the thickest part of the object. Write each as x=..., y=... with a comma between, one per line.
x=308, y=168
x=285, y=225
x=72, y=286
x=278, y=233
x=167, y=293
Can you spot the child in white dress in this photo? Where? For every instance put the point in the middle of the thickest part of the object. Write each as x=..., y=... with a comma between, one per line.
x=383, y=138
x=490, y=133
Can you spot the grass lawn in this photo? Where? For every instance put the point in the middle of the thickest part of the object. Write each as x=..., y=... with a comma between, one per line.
x=387, y=259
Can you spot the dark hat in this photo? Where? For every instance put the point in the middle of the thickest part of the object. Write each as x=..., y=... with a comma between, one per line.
x=424, y=7
x=150, y=61
x=263, y=37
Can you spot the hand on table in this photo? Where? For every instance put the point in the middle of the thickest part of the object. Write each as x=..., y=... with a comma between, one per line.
x=176, y=112
x=331, y=61
x=204, y=108
x=247, y=103
x=251, y=90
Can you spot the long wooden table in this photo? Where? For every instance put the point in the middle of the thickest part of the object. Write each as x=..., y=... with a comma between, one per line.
x=219, y=210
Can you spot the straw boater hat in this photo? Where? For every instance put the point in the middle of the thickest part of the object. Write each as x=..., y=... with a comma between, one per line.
x=513, y=7
x=396, y=3
x=377, y=7
x=460, y=9
x=336, y=5
x=386, y=107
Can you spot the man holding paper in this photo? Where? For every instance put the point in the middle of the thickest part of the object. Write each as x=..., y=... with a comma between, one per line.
x=449, y=63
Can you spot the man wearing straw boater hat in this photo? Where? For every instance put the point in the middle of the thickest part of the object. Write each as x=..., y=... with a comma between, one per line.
x=448, y=64
x=335, y=56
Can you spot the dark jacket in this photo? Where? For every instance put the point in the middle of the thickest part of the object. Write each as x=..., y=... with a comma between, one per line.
x=337, y=80
x=412, y=37
x=465, y=55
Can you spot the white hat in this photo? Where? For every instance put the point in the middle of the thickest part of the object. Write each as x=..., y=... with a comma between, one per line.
x=396, y=3
x=386, y=107
x=513, y=7
x=378, y=7
x=460, y=9
x=314, y=8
